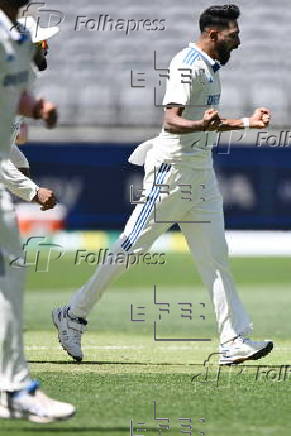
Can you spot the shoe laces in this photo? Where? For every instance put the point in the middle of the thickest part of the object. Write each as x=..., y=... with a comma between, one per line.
x=76, y=327
x=77, y=319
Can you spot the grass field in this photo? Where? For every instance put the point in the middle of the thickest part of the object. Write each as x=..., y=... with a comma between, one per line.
x=125, y=370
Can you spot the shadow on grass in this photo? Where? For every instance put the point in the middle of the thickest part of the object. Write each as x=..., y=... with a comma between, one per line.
x=38, y=429
x=94, y=362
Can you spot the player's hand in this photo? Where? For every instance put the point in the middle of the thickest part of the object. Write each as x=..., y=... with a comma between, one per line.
x=50, y=114
x=211, y=120
x=260, y=119
x=46, y=198
x=46, y=111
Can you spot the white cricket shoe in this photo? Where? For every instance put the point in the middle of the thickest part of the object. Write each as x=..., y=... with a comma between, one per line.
x=70, y=330
x=240, y=349
x=32, y=404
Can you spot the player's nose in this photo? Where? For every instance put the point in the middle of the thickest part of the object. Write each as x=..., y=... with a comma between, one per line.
x=237, y=43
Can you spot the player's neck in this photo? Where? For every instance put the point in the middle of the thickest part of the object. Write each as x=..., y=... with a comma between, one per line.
x=205, y=46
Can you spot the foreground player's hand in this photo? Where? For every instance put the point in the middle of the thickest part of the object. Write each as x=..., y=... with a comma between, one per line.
x=260, y=118
x=46, y=111
x=211, y=120
x=50, y=114
x=46, y=198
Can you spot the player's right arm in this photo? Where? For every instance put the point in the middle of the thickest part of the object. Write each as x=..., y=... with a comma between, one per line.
x=175, y=123
x=177, y=97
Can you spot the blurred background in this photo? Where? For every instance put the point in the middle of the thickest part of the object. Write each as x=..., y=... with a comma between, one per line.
x=106, y=73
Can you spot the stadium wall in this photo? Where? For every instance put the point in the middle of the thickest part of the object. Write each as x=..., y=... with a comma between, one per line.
x=92, y=182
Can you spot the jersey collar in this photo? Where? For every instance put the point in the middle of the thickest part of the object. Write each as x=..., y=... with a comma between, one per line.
x=215, y=64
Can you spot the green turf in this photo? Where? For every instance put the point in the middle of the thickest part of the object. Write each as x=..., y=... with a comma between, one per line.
x=178, y=270
x=125, y=370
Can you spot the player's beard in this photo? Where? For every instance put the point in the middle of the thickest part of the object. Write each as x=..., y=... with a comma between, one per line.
x=223, y=53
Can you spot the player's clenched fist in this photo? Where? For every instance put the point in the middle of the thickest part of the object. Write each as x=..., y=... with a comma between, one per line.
x=46, y=111
x=211, y=120
x=260, y=118
x=46, y=198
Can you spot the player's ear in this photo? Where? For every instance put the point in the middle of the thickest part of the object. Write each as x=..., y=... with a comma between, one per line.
x=213, y=35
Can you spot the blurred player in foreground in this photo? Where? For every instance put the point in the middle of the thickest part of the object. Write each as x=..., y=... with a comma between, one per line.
x=181, y=156
x=20, y=396
x=15, y=171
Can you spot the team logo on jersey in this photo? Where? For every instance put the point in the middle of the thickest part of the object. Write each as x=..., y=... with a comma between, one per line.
x=204, y=77
x=16, y=79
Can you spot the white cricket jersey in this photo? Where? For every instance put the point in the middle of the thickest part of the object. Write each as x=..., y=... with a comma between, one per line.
x=16, y=182
x=16, y=53
x=194, y=83
x=19, y=119
x=17, y=157
x=15, y=129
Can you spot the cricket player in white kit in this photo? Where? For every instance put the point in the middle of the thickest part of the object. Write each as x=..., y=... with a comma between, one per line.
x=179, y=158
x=15, y=171
x=20, y=396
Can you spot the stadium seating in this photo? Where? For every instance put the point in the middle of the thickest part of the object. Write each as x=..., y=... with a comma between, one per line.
x=89, y=73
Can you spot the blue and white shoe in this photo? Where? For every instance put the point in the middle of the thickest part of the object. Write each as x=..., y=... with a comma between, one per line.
x=33, y=405
x=70, y=330
x=240, y=349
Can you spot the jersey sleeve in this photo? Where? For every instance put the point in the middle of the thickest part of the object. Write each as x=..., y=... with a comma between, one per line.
x=16, y=182
x=17, y=157
x=181, y=79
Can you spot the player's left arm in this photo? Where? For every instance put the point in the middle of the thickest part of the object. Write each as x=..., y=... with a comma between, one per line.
x=19, y=160
x=259, y=120
x=23, y=187
x=38, y=109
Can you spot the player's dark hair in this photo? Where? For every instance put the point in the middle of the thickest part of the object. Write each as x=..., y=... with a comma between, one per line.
x=218, y=16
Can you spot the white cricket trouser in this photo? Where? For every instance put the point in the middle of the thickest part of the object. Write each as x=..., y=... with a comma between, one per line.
x=201, y=219
x=13, y=367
